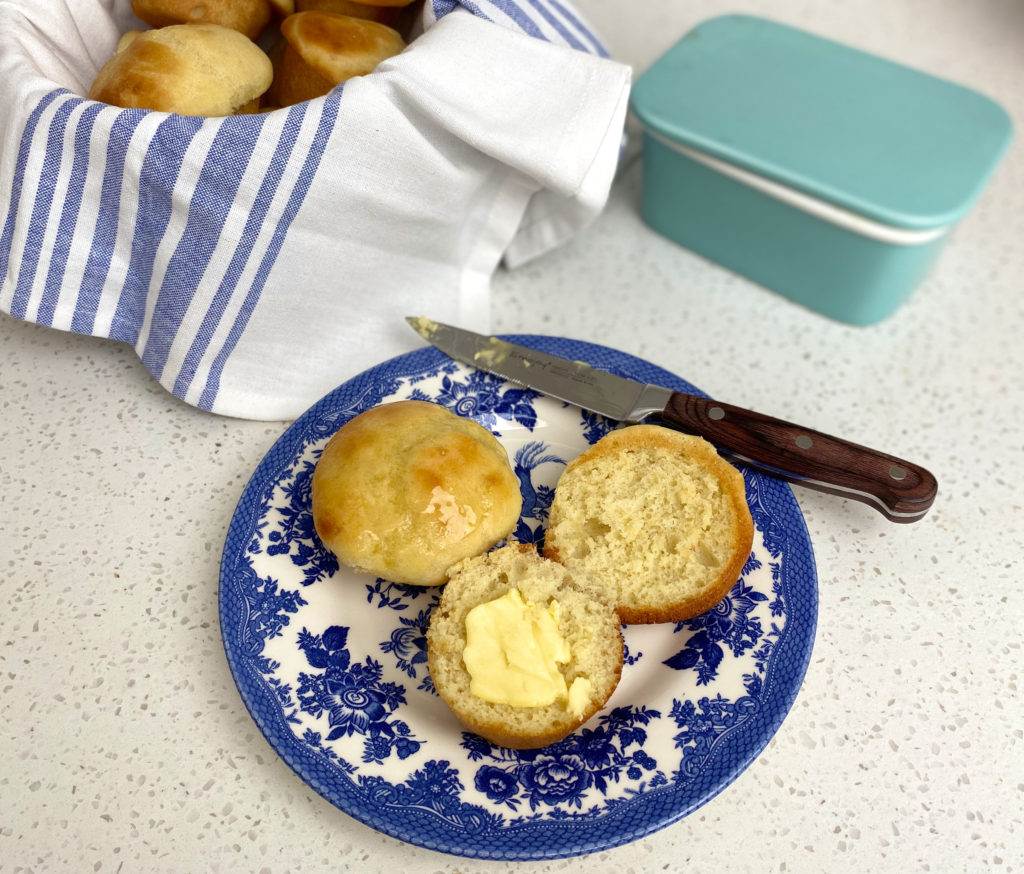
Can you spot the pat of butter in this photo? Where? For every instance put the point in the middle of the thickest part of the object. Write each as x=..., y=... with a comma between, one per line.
x=513, y=650
x=579, y=695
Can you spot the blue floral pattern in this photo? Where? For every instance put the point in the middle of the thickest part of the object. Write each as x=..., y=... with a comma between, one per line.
x=408, y=645
x=352, y=696
x=560, y=776
x=730, y=626
x=333, y=665
x=488, y=399
x=537, y=497
x=702, y=723
x=295, y=536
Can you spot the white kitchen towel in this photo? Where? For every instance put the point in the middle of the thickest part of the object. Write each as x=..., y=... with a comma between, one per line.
x=256, y=262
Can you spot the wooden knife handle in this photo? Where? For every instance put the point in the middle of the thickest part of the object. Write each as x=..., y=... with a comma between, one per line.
x=902, y=491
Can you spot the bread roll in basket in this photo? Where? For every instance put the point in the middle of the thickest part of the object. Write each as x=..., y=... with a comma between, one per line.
x=255, y=261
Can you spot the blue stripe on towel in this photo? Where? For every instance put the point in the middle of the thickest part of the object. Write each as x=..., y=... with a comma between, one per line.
x=329, y=113
x=240, y=257
x=104, y=235
x=443, y=7
x=518, y=15
x=69, y=214
x=530, y=16
x=157, y=180
x=36, y=232
x=215, y=190
x=545, y=12
x=7, y=235
x=584, y=31
x=511, y=10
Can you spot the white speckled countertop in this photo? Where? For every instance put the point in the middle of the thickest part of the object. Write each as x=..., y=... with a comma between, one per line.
x=124, y=743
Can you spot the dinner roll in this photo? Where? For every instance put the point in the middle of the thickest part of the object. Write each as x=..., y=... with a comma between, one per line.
x=191, y=69
x=246, y=16
x=324, y=49
x=522, y=650
x=385, y=14
x=407, y=489
x=283, y=8
x=657, y=517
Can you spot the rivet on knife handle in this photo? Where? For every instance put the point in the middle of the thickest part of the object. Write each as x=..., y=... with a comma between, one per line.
x=902, y=491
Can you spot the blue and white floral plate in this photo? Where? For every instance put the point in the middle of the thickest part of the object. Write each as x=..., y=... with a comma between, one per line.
x=332, y=665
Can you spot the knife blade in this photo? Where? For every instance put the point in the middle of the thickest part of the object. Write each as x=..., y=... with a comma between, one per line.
x=901, y=490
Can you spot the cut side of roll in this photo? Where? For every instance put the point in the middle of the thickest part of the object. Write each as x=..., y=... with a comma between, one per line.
x=655, y=516
x=522, y=651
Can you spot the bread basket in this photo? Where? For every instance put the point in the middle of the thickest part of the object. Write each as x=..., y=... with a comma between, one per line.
x=256, y=261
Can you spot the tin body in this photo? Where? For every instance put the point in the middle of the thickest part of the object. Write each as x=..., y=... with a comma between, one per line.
x=823, y=173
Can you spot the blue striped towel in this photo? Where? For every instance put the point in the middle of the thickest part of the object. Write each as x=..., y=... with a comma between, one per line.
x=255, y=262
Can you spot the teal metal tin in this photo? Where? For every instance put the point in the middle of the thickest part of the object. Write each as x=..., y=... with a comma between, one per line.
x=819, y=171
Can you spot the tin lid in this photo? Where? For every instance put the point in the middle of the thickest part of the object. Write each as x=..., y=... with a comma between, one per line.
x=865, y=134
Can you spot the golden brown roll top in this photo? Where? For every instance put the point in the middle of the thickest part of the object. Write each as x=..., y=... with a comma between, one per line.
x=385, y=13
x=193, y=69
x=249, y=17
x=283, y=8
x=405, y=490
x=324, y=49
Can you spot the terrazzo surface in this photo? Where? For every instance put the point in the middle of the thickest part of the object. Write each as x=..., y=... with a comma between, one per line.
x=125, y=745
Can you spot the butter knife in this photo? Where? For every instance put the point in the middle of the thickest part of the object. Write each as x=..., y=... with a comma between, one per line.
x=900, y=490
